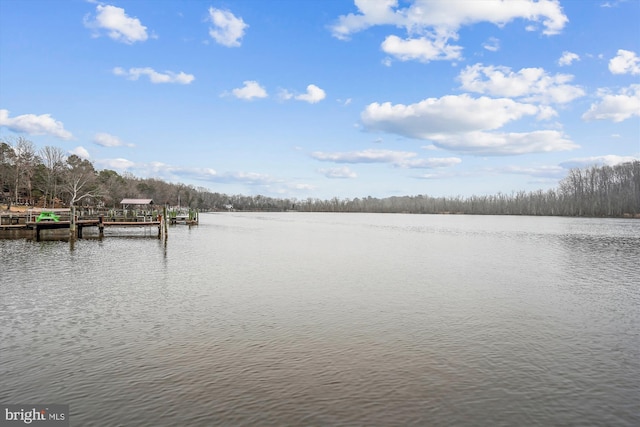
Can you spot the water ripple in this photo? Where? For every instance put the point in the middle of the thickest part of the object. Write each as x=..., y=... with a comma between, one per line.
x=353, y=319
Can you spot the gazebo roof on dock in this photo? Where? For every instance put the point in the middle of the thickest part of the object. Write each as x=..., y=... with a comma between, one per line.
x=136, y=202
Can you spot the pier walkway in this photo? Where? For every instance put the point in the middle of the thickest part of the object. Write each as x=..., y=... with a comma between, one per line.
x=81, y=224
x=75, y=224
x=37, y=219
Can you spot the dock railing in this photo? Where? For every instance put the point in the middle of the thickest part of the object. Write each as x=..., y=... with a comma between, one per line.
x=118, y=215
x=109, y=215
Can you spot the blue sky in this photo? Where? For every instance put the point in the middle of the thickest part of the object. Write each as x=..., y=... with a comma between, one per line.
x=327, y=98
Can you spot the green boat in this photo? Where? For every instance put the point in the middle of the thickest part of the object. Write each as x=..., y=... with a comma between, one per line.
x=48, y=216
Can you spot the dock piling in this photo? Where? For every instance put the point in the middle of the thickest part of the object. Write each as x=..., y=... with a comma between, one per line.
x=73, y=219
x=163, y=222
x=101, y=226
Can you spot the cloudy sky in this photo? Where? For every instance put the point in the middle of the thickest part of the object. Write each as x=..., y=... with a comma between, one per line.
x=324, y=98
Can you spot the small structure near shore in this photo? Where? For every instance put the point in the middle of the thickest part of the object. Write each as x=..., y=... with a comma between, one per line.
x=127, y=203
x=179, y=215
x=140, y=209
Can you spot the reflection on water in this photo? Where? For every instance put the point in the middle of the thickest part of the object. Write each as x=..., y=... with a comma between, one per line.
x=330, y=319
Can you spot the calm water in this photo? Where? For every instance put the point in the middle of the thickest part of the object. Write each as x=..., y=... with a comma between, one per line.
x=330, y=319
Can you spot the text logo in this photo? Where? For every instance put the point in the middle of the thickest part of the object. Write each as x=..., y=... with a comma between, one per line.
x=34, y=415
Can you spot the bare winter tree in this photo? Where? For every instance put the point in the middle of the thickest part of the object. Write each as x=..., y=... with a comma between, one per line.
x=7, y=171
x=25, y=164
x=80, y=180
x=53, y=159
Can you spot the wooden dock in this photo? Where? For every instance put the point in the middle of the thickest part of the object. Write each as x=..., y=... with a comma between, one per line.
x=84, y=223
x=76, y=220
x=76, y=226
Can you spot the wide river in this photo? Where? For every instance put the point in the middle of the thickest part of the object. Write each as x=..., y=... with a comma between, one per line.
x=305, y=319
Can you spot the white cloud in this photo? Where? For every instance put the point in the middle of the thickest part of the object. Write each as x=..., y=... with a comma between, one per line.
x=492, y=45
x=154, y=76
x=107, y=140
x=531, y=84
x=301, y=187
x=176, y=173
x=118, y=25
x=250, y=178
x=546, y=113
x=461, y=124
x=118, y=164
x=567, y=58
x=31, y=124
x=430, y=24
x=420, y=49
x=81, y=152
x=435, y=176
x=339, y=173
x=227, y=29
x=505, y=144
x=430, y=163
x=403, y=159
x=161, y=170
x=202, y=174
x=450, y=114
x=626, y=62
x=211, y=175
x=364, y=156
x=617, y=108
x=372, y=12
x=445, y=14
x=285, y=94
x=537, y=171
x=250, y=90
x=608, y=160
x=314, y=94
x=616, y=3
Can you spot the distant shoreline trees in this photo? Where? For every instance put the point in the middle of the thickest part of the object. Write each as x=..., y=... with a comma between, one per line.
x=47, y=178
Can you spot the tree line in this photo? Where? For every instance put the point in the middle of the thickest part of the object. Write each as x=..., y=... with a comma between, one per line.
x=48, y=178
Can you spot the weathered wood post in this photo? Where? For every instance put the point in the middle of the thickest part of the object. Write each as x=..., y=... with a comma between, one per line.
x=78, y=226
x=72, y=222
x=101, y=226
x=164, y=224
